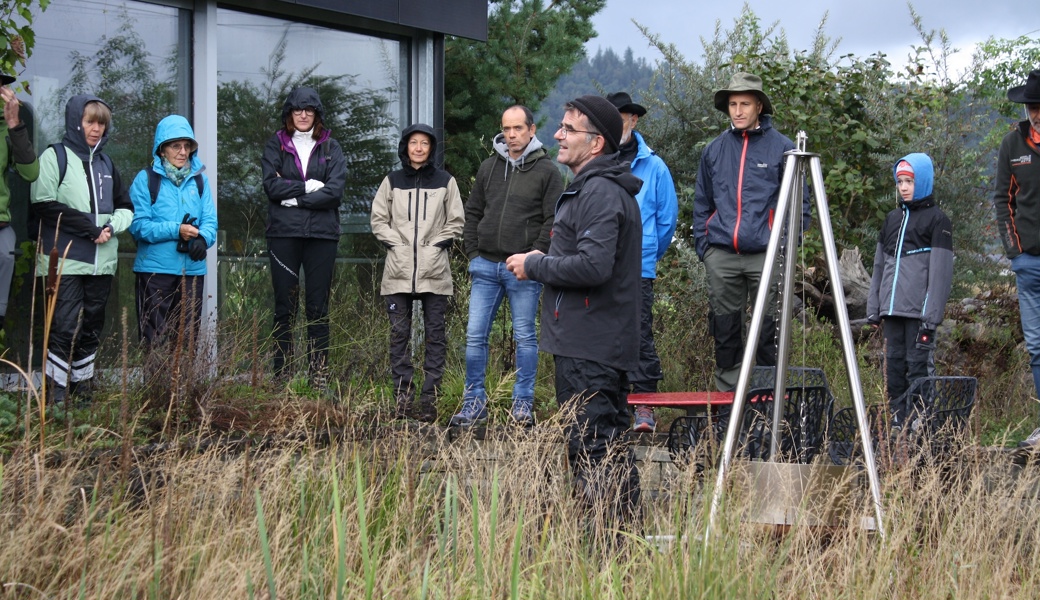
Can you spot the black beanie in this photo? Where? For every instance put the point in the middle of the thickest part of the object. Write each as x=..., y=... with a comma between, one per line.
x=604, y=116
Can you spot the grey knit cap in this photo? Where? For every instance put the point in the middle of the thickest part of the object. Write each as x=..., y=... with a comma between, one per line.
x=604, y=117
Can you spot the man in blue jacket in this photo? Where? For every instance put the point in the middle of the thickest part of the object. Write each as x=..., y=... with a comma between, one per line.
x=738, y=184
x=658, y=209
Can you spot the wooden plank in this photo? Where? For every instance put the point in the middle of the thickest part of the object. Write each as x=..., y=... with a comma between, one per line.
x=681, y=399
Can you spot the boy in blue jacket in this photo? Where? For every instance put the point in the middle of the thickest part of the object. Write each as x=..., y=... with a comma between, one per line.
x=913, y=274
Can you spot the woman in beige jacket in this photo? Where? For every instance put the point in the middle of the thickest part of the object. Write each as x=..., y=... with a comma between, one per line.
x=416, y=214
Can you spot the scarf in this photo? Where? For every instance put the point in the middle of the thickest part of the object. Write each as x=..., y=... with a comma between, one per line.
x=177, y=176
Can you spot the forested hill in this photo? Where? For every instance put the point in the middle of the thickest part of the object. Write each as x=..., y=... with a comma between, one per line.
x=601, y=74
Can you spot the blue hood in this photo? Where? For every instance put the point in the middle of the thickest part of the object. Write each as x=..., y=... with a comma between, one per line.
x=175, y=127
x=924, y=173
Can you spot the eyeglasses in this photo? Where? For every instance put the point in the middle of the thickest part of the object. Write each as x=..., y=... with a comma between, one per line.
x=303, y=111
x=567, y=130
x=179, y=146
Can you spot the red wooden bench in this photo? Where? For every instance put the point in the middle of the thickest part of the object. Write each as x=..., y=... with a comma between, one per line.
x=681, y=399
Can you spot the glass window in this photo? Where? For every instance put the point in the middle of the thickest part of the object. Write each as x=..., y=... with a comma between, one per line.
x=127, y=53
x=359, y=79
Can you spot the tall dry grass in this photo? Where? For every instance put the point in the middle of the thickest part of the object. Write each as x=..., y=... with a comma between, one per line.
x=398, y=512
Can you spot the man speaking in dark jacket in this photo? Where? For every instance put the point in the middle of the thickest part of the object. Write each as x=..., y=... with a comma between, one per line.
x=738, y=185
x=509, y=211
x=590, y=309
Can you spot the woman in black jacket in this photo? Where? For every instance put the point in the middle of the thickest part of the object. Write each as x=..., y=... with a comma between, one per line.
x=304, y=176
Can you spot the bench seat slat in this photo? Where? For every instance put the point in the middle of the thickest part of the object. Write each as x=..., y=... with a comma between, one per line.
x=681, y=399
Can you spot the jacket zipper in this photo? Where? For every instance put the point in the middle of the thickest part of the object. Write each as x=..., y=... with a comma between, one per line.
x=740, y=192
x=899, y=258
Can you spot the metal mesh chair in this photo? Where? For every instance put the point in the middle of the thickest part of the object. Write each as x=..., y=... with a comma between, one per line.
x=938, y=409
x=807, y=407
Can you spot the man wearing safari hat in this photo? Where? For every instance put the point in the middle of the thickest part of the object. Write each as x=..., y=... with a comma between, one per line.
x=738, y=184
x=1016, y=198
x=17, y=151
x=659, y=210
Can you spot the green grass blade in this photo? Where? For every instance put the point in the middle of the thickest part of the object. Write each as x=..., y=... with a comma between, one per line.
x=478, y=559
x=514, y=574
x=339, y=534
x=366, y=552
x=265, y=547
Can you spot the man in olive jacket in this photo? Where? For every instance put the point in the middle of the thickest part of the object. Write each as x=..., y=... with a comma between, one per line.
x=509, y=211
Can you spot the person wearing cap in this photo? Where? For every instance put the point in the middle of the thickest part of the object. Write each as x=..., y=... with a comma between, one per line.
x=1016, y=199
x=659, y=211
x=913, y=275
x=738, y=185
x=590, y=310
x=304, y=175
x=509, y=211
x=81, y=209
x=174, y=226
x=416, y=214
x=17, y=153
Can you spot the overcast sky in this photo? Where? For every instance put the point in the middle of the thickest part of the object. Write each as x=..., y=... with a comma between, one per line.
x=864, y=27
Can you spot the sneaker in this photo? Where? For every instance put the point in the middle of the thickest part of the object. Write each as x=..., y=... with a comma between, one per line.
x=523, y=412
x=644, y=420
x=1032, y=442
x=470, y=415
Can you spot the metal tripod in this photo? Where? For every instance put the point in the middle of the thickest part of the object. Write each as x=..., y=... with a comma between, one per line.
x=789, y=221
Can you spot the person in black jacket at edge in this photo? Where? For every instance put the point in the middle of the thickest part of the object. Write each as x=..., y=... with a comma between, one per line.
x=591, y=307
x=304, y=177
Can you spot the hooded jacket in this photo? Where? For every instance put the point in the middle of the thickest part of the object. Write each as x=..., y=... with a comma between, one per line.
x=738, y=185
x=156, y=227
x=316, y=215
x=913, y=262
x=15, y=151
x=83, y=203
x=591, y=301
x=658, y=204
x=415, y=214
x=1016, y=192
x=510, y=209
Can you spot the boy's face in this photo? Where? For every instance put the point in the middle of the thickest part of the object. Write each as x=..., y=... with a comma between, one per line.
x=905, y=186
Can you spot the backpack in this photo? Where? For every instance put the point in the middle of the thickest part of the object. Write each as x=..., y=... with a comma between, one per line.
x=154, y=179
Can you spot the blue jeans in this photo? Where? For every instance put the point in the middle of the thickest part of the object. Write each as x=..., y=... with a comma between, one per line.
x=1027, y=277
x=491, y=281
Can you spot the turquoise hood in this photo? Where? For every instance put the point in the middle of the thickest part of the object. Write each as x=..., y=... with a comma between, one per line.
x=924, y=173
x=175, y=127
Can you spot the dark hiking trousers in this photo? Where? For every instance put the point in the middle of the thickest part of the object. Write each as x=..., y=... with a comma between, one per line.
x=603, y=465
x=904, y=362
x=646, y=376
x=316, y=258
x=399, y=308
x=161, y=298
x=79, y=317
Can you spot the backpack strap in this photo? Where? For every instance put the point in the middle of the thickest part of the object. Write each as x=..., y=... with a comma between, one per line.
x=154, y=180
x=63, y=161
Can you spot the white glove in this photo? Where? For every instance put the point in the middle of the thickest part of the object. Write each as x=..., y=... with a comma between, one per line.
x=313, y=185
x=291, y=202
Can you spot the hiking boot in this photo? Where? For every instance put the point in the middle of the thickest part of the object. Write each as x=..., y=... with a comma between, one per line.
x=1031, y=443
x=644, y=420
x=523, y=412
x=425, y=412
x=403, y=408
x=56, y=394
x=474, y=412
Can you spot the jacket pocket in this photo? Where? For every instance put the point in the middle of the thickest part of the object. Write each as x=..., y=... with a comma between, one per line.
x=433, y=263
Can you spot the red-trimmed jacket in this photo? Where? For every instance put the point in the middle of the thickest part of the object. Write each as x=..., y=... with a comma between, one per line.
x=1016, y=192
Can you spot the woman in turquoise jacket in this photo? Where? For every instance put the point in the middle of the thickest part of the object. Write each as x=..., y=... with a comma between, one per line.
x=175, y=224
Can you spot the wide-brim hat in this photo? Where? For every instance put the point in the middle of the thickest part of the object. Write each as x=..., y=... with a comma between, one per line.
x=743, y=83
x=623, y=102
x=6, y=79
x=1028, y=93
